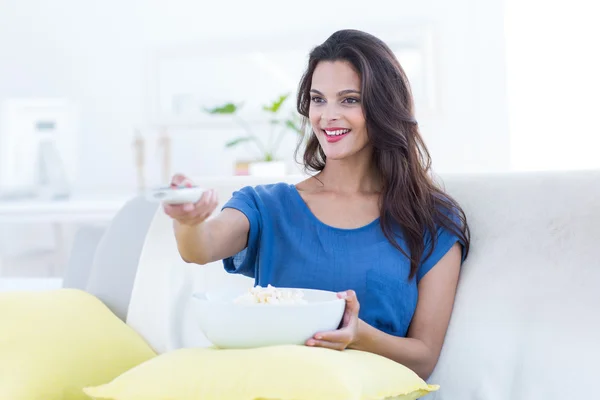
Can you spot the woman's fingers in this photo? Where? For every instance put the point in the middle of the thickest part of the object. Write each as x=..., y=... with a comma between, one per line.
x=327, y=345
x=205, y=200
x=341, y=338
x=338, y=339
x=193, y=213
x=352, y=304
x=181, y=180
x=338, y=336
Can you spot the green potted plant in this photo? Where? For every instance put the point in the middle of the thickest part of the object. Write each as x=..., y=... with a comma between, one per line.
x=266, y=161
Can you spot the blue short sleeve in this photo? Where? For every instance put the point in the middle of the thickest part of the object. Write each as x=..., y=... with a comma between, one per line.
x=245, y=261
x=445, y=240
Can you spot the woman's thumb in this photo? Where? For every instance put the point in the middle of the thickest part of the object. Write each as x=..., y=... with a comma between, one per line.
x=180, y=179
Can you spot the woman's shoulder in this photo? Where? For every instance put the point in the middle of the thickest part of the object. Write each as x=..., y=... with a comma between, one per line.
x=265, y=195
x=265, y=191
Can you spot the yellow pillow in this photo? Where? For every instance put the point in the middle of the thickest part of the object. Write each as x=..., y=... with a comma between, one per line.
x=278, y=372
x=54, y=343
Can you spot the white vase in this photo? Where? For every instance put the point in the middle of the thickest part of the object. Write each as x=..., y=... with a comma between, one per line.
x=267, y=168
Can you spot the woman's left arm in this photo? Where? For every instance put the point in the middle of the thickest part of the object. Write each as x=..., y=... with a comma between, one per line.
x=420, y=350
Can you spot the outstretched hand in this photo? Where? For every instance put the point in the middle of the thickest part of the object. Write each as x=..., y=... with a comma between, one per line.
x=191, y=213
x=347, y=334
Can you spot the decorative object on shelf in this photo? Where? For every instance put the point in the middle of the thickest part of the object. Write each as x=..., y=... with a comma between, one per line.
x=266, y=163
x=164, y=144
x=38, y=147
x=139, y=150
x=242, y=168
x=51, y=177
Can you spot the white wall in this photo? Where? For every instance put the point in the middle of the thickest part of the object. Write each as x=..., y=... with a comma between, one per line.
x=96, y=53
x=553, y=66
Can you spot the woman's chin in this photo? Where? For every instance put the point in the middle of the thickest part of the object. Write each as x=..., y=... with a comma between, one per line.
x=336, y=155
x=337, y=152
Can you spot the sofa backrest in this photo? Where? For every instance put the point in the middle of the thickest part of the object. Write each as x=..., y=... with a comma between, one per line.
x=526, y=323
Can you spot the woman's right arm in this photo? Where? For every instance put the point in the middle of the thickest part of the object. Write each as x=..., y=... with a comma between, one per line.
x=200, y=239
x=213, y=239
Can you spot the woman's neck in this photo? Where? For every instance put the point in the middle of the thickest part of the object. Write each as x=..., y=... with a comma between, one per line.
x=355, y=174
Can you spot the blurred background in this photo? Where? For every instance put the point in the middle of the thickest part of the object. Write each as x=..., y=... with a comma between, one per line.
x=102, y=100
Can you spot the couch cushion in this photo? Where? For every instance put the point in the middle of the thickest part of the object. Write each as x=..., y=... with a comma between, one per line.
x=276, y=373
x=53, y=343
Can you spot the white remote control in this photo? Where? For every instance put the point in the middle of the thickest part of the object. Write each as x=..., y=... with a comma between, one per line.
x=175, y=195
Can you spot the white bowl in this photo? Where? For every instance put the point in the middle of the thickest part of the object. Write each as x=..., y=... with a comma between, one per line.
x=232, y=325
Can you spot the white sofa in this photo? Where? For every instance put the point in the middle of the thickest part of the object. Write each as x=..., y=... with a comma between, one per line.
x=526, y=323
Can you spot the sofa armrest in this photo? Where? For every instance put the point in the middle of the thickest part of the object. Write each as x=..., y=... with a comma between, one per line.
x=79, y=265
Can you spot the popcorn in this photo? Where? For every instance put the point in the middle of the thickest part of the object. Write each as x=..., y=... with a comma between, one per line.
x=271, y=295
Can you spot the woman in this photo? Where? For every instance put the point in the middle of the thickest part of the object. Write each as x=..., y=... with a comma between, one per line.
x=370, y=224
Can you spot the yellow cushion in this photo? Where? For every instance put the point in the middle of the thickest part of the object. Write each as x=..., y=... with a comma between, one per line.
x=278, y=372
x=54, y=343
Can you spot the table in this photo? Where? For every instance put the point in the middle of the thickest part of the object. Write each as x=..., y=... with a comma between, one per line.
x=78, y=209
x=35, y=284
x=83, y=208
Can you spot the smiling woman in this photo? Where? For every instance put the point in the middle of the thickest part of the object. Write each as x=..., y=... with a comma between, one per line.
x=369, y=224
x=335, y=113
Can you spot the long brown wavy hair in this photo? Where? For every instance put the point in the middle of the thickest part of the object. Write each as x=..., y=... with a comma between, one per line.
x=410, y=198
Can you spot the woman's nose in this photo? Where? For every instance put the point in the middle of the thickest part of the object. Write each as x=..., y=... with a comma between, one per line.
x=330, y=112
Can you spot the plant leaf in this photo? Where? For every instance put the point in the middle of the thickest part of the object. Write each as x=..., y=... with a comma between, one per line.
x=239, y=140
x=276, y=105
x=228, y=108
x=293, y=126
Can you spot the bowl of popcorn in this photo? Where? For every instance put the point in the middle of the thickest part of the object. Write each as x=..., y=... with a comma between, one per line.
x=266, y=316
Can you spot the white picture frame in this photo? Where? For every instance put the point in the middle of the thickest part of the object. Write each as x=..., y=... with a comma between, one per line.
x=20, y=138
x=184, y=79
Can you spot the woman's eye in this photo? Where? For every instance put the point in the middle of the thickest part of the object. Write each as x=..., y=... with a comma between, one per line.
x=351, y=100
x=316, y=99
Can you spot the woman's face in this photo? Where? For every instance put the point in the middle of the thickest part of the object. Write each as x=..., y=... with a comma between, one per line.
x=335, y=111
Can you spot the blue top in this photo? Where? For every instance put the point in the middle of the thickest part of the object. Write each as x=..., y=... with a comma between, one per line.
x=288, y=246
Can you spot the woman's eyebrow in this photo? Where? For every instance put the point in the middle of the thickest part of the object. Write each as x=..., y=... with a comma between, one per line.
x=340, y=93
